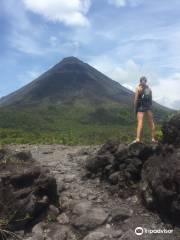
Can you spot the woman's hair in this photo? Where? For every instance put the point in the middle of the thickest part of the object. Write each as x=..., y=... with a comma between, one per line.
x=143, y=79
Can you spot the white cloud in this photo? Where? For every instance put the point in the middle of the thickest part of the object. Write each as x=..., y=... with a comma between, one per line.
x=123, y=3
x=118, y=3
x=68, y=12
x=53, y=40
x=128, y=86
x=166, y=91
x=25, y=44
x=23, y=35
x=35, y=39
x=16, y=15
x=127, y=73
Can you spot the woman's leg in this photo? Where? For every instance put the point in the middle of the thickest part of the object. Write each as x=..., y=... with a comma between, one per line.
x=140, y=116
x=151, y=124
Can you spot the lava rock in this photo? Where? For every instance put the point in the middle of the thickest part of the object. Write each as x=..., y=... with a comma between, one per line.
x=24, y=156
x=120, y=164
x=26, y=190
x=171, y=131
x=161, y=184
x=110, y=146
x=99, y=162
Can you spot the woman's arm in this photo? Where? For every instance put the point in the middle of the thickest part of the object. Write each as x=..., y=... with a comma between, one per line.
x=136, y=97
x=151, y=97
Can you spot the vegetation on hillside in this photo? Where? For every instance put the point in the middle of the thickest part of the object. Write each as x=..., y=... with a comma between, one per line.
x=64, y=125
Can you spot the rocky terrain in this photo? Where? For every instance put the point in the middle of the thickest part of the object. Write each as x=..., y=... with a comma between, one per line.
x=104, y=192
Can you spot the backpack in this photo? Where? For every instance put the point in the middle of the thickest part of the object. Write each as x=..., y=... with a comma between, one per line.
x=146, y=96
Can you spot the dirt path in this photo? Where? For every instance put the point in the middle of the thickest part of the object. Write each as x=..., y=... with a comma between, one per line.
x=87, y=209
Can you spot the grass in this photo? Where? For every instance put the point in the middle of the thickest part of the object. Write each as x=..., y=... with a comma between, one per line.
x=78, y=125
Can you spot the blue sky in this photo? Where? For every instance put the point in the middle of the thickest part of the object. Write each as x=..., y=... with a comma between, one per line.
x=122, y=38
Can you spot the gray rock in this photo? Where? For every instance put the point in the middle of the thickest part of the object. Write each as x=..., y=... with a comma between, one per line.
x=92, y=197
x=63, y=218
x=130, y=235
x=83, y=195
x=82, y=207
x=69, y=178
x=117, y=234
x=64, y=203
x=90, y=220
x=37, y=231
x=95, y=236
x=54, y=209
x=58, y=232
x=121, y=213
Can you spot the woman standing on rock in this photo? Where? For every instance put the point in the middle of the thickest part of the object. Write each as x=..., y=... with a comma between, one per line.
x=143, y=105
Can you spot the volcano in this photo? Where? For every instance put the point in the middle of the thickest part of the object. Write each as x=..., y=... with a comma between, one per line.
x=68, y=80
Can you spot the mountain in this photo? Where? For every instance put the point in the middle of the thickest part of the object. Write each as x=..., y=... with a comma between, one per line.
x=69, y=79
x=73, y=100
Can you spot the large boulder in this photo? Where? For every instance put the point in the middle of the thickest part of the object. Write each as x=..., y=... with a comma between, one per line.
x=26, y=190
x=104, y=156
x=160, y=184
x=120, y=164
x=171, y=131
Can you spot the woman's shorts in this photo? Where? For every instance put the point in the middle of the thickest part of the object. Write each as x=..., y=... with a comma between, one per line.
x=144, y=108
